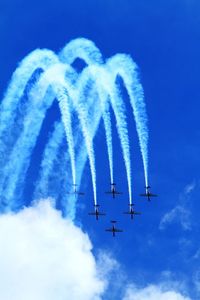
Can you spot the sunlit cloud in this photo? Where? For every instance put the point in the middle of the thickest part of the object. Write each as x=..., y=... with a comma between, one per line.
x=43, y=256
x=153, y=292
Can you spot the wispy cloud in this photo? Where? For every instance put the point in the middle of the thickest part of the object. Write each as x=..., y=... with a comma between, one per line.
x=153, y=292
x=189, y=188
x=181, y=213
x=178, y=214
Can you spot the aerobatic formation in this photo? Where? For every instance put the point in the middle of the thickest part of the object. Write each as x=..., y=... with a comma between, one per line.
x=84, y=99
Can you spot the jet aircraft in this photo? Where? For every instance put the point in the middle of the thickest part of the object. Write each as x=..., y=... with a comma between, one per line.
x=132, y=212
x=113, y=229
x=113, y=190
x=148, y=194
x=96, y=212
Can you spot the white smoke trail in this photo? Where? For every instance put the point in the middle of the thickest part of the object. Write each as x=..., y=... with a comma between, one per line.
x=66, y=118
x=57, y=78
x=87, y=51
x=38, y=59
x=119, y=111
x=125, y=67
x=15, y=169
x=83, y=49
x=51, y=153
x=22, y=150
x=108, y=132
x=49, y=157
x=102, y=78
x=82, y=111
x=71, y=91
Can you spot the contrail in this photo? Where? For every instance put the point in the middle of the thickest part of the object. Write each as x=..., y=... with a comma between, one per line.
x=119, y=111
x=57, y=78
x=38, y=59
x=90, y=54
x=83, y=49
x=89, y=95
x=49, y=157
x=41, y=101
x=102, y=75
x=81, y=108
x=66, y=118
x=125, y=67
x=108, y=132
x=51, y=166
x=98, y=75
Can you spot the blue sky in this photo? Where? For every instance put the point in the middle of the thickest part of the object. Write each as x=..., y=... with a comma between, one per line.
x=163, y=38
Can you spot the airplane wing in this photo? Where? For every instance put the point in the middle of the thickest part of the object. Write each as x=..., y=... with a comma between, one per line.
x=144, y=195
x=153, y=195
x=80, y=193
x=110, y=230
x=118, y=230
x=92, y=214
x=137, y=213
x=118, y=193
x=101, y=214
x=108, y=192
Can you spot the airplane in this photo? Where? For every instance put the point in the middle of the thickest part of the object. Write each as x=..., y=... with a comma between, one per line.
x=148, y=194
x=113, y=191
x=132, y=212
x=113, y=229
x=96, y=212
x=75, y=192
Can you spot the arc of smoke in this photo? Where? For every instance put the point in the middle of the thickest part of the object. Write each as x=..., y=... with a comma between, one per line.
x=83, y=49
x=125, y=67
x=80, y=105
x=16, y=168
x=103, y=79
x=41, y=59
x=87, y=51
x=52, y=149
x=58, y=83
x=72, y=95
x=106, y=84
x=32, y=124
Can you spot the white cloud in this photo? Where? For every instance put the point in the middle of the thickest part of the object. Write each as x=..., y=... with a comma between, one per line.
x=46, y=257
x=181, y=212
x=152, y=292
x=189, y=188
x=43, y=256
x=177, y=215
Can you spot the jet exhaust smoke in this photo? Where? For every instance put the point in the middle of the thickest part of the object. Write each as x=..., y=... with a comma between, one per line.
x=88, y=95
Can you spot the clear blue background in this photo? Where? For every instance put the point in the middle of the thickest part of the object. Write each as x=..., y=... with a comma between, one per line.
x=163, y=37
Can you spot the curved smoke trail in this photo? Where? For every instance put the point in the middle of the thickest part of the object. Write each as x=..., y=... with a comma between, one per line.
x=101, y=76
x=83, y=49
x=88, y=94
x=38, y=59
x=125, y=67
